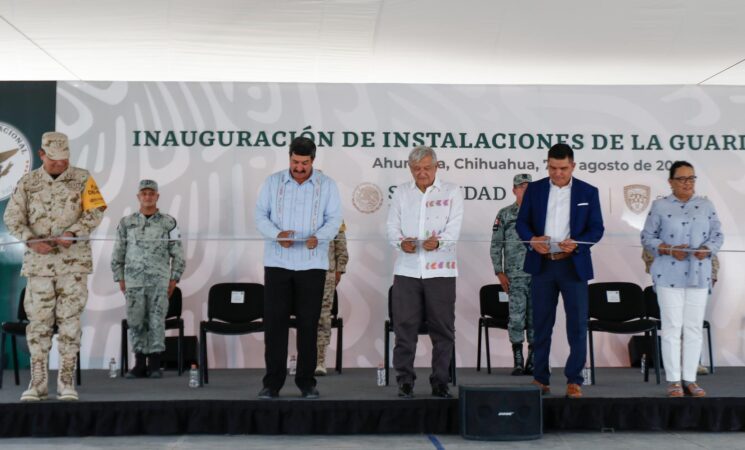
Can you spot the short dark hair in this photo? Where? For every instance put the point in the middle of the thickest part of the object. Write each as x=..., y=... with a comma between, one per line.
x=561, y=151
x=676, y=165
x=302, y=146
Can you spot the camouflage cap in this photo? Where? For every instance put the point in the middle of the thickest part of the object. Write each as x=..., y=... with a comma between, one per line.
x=521, y=178
x=148, y=184
x=55, y=145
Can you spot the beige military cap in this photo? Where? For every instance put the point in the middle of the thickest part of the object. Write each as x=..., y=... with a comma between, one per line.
x=55, y=145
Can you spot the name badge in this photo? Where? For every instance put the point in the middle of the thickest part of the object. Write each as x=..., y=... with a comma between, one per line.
x=237, y=297
x=613, y=297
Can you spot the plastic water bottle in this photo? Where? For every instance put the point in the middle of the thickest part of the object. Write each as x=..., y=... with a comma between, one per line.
x=587, y=375
x=381, y=375
x=193, y=376
x=292, y=367
x=644, y=363
x=112, y=368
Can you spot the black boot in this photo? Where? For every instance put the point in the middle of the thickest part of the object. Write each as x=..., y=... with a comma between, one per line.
x=153, y=365
x=529, y=362
x=140, y=369
x=517, y=355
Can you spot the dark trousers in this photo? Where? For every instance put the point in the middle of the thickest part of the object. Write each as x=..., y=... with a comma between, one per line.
x=416, y=301
x=287, y=292
x=559, y=277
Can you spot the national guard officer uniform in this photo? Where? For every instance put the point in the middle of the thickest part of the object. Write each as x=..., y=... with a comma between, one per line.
x=147, y=255
x=508, y=256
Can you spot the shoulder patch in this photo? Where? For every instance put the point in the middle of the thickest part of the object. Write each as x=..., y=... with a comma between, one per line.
x=174, y=234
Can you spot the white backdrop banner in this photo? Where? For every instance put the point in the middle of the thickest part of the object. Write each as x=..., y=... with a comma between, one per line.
x=210, y=146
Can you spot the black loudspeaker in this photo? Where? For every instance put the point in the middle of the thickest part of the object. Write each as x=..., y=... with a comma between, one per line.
x=190, y=351
x=494, y=413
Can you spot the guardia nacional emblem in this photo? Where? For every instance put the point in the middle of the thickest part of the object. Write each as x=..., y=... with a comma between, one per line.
x=15, y=158
x=637, y=197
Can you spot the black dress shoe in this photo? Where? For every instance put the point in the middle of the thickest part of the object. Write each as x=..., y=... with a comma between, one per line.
x=309, y=393
x=406, y=390
x=441, y=390
x=268, y=394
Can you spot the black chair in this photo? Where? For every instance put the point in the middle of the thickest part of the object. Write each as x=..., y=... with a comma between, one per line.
x=18, y=329
x=227, y=315
x=624, y=315
x=336, y=322
x=387, y=337
x=494, y=314
x=173, y=322
x=653, y=312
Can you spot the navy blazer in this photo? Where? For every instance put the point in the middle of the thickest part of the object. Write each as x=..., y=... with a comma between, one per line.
x=585, y=223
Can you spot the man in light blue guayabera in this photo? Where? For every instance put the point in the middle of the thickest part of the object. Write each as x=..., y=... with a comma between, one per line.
x=298, y=212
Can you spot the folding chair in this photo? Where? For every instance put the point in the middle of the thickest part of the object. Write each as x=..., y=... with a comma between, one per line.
x=232, y=309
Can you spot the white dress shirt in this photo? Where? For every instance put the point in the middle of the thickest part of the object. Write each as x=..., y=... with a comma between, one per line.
x=557, y=214
x=436, y=212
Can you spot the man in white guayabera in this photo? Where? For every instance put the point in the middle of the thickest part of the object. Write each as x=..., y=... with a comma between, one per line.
x=423, y=225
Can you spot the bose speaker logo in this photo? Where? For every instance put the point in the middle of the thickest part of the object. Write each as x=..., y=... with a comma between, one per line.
x=505, y=413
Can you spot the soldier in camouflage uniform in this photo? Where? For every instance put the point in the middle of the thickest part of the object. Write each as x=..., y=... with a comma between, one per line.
x=51, y=207
x=147, y=262
x=508, y=257
x=338, y=258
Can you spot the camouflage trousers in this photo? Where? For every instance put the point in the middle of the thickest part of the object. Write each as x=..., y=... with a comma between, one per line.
x=51, y=301
x=146, y=316
x=521, y=311
x=324, y=323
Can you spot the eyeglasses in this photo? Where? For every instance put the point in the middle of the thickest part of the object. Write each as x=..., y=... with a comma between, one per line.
x=685, y=180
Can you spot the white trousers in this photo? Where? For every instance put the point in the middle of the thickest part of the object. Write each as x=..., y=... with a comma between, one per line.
x=682, y=312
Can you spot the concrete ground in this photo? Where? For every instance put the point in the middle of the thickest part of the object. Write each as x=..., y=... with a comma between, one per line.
x=573, y=440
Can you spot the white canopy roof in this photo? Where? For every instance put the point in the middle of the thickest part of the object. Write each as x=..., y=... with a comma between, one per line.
x=371, y=41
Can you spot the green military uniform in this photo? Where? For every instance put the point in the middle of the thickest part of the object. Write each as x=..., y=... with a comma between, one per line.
x=338, y=258
x=509, y=257
x=147, y=255
x=43, y=206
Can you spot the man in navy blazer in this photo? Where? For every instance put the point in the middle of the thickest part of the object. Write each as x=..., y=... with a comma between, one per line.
x=560, y=216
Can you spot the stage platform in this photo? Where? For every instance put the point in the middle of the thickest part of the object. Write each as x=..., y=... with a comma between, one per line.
x=352, y=403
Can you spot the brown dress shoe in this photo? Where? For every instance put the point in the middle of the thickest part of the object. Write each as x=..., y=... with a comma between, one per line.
x=545, y=389
x=574, y=390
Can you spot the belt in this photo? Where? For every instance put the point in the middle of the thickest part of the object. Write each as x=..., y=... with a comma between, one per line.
x=558, y=256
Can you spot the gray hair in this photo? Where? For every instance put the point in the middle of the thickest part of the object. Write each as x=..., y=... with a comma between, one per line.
x=420, y=152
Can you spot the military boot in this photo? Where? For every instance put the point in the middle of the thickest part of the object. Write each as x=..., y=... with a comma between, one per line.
x=66, y=379
x=529, y=362
x=140, y=368
x=153, y=365
x=321, y=363
x=38, y=388
x=517, y=356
